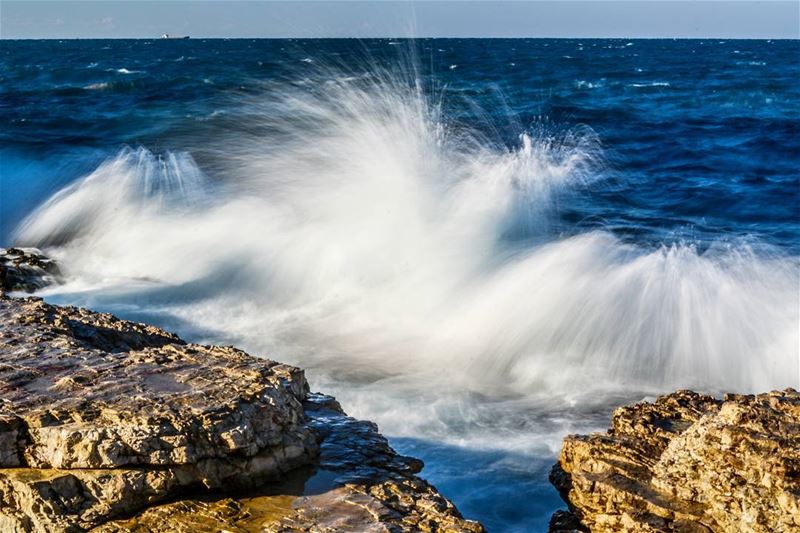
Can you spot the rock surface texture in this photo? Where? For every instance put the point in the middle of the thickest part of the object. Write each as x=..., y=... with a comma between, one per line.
x=359, y=485
x=687, y=463
x=116, y=426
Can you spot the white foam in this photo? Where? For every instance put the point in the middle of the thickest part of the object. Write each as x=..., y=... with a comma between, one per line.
x=367, y=239
x=97, y=86
x=583, y=84
x=651, y=84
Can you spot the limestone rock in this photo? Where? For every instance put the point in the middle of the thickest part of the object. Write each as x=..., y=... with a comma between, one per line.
x=369, y=488
x=687, y=462
x=99, y=416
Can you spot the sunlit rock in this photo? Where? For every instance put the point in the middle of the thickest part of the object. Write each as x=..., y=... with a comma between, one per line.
x=687, y=462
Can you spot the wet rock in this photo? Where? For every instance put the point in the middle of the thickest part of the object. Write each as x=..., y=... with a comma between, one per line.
x=26, y=270
x=565, y=522
x=353, y=447
x=687, y=462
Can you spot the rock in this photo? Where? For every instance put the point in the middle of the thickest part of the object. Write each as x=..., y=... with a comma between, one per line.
x=369, y=488
x=687, y=462
x=99, y=416
x=104, y=421
x=564, y=522
x=26, y=269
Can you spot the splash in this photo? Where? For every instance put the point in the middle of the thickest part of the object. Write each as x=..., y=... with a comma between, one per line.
x=350, y=228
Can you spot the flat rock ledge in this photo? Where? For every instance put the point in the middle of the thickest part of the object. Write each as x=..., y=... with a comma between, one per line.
x=686, y=463
x=114, y=426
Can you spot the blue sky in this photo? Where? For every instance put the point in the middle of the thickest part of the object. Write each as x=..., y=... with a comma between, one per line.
x=421, y=18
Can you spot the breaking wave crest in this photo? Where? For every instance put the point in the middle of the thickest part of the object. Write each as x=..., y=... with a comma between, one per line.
x=355, y=230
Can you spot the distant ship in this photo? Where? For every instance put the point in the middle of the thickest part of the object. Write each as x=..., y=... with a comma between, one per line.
x=168, y=36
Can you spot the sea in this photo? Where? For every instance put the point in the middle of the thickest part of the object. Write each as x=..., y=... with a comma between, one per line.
x=480, y=244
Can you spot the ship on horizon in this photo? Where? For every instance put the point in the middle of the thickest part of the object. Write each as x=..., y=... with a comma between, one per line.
x=168, y=36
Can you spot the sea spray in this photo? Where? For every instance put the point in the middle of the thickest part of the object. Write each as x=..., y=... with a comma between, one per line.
x=354, y=229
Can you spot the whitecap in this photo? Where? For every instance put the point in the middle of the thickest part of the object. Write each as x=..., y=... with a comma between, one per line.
x=651, y=84
x=582, y=84
x=97, y=86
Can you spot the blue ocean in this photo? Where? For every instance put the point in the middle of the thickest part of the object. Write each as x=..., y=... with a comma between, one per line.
x=481, y=244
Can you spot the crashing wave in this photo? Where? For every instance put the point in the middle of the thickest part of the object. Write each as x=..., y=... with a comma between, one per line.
x=354, y=227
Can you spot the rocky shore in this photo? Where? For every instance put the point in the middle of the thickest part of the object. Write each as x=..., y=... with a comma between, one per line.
x=686, y=463
x=113, y=426
x=110, y=425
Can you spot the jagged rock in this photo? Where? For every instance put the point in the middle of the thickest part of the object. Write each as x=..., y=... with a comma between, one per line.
x=369, y=488
x=564, y=522
x=102, y=420
x=690, y=463
x=100, y=416
x=26, y=269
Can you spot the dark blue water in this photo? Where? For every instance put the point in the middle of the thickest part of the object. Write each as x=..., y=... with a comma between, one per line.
x=701, y=136
x=693, y=142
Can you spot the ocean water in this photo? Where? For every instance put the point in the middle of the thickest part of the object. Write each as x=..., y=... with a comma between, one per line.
x=482, y=245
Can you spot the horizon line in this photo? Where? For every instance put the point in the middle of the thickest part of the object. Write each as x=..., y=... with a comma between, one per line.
x=191, y=38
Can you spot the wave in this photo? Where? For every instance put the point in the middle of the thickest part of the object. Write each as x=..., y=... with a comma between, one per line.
x=583, y=84
x=355, y=230
x=124, y=70
x=651, y=84
x=97, y=86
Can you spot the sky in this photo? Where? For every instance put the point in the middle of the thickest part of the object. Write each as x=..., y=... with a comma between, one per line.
x=410, y=18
